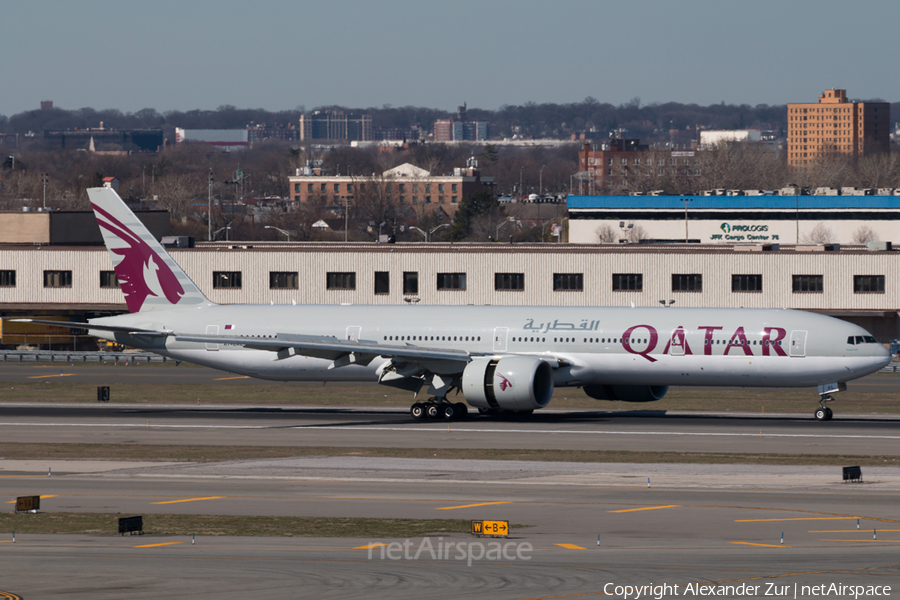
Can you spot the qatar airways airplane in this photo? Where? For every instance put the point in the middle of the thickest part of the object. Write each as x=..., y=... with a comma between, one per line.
x=502, y=358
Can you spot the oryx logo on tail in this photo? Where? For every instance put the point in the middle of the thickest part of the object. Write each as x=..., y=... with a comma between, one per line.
x=141, y=272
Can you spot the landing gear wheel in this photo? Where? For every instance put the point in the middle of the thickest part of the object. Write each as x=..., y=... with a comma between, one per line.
x=461, y=410
x=417, y=411
x=448, y=411
x=823, y=413
x=484, y=411
x=433, y=411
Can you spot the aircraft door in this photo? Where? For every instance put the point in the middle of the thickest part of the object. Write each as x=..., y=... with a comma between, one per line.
x=212, y=330
x=500, y=338
x=677, y=347
x=798, y=343
x=353, y=332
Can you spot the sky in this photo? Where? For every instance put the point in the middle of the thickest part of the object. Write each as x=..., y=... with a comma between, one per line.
x=283, y=54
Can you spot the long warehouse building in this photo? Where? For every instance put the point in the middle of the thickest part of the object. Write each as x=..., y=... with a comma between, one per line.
x=850, y=282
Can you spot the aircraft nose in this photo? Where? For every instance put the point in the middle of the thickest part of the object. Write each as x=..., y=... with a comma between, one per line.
x=885, y=356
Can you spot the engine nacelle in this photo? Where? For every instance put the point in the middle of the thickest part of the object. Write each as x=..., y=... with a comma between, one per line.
x=627, y=393
x=510, y=383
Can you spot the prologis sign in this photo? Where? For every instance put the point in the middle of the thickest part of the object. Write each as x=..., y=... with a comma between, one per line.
x=744, y=233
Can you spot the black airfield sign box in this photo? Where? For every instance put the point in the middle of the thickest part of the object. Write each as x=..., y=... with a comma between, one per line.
x=28, y=504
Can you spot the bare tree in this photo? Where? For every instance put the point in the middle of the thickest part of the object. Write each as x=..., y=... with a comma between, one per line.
x=863, y=234
x=177, y=193
x=606, y=234
x=820, y=234
x=636, y=234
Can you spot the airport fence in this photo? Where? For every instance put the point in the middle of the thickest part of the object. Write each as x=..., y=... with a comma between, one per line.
x=48, y=356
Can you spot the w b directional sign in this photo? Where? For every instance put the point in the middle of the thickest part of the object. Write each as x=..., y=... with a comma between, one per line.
x=490, y=528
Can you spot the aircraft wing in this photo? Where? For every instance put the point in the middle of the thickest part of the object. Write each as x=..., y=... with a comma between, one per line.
x=343, y=352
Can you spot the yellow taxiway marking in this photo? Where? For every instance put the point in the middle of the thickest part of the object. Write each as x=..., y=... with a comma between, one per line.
x=795, y=519
x=647, y=508
x=471, y=505
x=369, y=546
x=230, y=378
x=763, y=545
x=42, y=497
x=157, y=545
x=188, y=500
x=43, y=376
x=6, y=541
x=571, y=546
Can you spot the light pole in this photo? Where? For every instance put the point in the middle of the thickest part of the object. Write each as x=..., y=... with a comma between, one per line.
x=541, y=183
x=209, y=184
x=44, y=178
x=500, y=226
x=796, y=211
x=287, y=233
x=428, y=234
x=686, y=200
x=522, y=168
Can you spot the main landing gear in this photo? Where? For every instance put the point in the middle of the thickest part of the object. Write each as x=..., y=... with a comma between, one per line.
x=435, y=408
x=823, y=413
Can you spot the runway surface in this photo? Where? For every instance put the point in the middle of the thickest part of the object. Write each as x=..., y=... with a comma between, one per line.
x=708, y=525
x=694, y=525
x=347, y=427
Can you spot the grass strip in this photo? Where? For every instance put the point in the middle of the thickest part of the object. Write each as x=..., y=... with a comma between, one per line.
x=253, y=393
x=216, y=525
x=199, y=454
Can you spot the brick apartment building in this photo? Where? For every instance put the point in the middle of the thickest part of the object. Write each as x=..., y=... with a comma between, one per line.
x=608, y=166
x=405, y=185
x=834, y=126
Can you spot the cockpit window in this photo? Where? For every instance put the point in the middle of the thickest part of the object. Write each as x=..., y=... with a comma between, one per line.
x=860, y=339
x=851, y=341
x=871, y=340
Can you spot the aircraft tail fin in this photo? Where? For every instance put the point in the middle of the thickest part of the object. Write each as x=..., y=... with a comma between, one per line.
x=148, y=276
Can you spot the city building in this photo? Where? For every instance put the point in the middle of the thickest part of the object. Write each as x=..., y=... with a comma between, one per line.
x=125, y=140
x=336, y=126
x=713, y=137
x=405, y=185
x=460, y=129
x=225, y=139
x=262, y=133
x=753, y=217
x=608, y=167
x=399, y=134
x=834, y=126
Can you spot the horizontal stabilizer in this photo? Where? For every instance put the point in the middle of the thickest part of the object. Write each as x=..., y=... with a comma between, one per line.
x=113, y=328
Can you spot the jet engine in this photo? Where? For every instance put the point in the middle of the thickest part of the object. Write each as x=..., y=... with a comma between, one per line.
x=627, y=393
x=515, y=383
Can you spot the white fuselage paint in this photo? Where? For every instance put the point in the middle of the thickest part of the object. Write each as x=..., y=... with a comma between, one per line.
x=597, y=345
